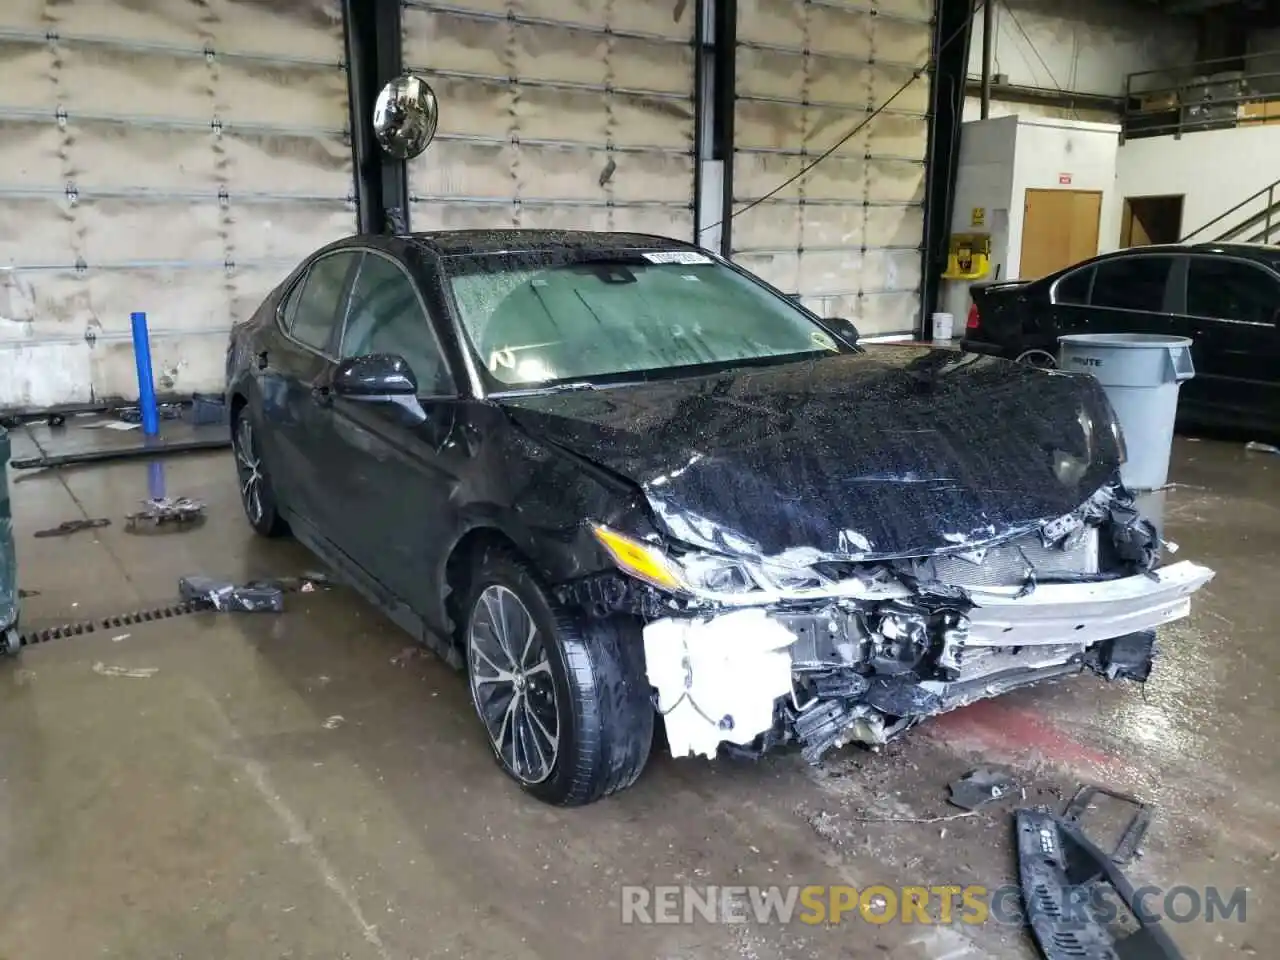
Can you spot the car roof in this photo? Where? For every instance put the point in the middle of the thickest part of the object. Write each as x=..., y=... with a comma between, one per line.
x=454, y=242
x=1261, y=252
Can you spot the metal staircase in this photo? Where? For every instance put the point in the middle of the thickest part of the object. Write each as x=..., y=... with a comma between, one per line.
x=1259, y=221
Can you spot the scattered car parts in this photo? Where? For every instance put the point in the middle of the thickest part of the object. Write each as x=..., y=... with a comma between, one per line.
x=223, y=595
x=1129, y=843
x=162, y=511
x=1064, y=879
x=67, y=527
x=981, y=786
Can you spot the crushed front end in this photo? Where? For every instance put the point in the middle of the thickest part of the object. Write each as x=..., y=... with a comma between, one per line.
x=826, y=653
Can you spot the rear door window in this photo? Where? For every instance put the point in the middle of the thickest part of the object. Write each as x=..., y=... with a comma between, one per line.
x=320, y=301
x=1230, y=290
x=1132, y=283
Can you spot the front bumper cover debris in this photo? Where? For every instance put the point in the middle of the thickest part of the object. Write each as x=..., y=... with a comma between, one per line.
x=867, y=668
x=1065, y=881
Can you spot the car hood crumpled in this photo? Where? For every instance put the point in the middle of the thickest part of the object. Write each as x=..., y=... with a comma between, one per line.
x=893, y=452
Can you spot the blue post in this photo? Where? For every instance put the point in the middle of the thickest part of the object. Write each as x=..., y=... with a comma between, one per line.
x=146, y=385
x=155, y=479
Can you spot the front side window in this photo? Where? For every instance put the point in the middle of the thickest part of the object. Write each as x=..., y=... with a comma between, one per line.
x=317, y=300
x=1230, y=290
x=1132, y=283
x=533, y=319
x=387, y=316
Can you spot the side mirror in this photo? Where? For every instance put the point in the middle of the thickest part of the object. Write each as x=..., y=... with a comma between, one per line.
x=846, y=330
x=373, y=377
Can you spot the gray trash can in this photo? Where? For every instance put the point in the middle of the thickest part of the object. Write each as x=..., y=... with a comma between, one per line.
x=1141, y=374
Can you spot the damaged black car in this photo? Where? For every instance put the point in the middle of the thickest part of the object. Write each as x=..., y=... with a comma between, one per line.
x=615, y=478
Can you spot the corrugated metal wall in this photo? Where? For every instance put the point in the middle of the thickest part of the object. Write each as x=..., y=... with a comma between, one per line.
x=847, y=236
x=172, y=157
x=179, y=158
x=556, y=113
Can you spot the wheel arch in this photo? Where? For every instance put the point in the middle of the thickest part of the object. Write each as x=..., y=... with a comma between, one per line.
x=555, y=556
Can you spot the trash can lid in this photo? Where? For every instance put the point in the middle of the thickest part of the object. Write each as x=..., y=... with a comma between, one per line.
x=1125, y=341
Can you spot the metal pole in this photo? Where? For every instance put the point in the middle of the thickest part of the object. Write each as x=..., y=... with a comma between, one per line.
x=988, y=30
x=146, y=385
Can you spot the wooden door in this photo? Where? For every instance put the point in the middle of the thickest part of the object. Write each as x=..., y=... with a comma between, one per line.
x=1059, y=228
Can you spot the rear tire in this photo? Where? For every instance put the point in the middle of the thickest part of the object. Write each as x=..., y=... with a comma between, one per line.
x=257, y=496
x=590, y=677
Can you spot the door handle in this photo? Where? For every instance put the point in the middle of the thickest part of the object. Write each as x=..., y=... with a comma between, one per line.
x=262, y=360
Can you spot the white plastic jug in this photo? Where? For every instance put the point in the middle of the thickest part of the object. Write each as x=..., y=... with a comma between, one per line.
x=943, y=326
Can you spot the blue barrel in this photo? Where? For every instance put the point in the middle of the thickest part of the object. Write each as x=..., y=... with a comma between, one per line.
x=1141, y=374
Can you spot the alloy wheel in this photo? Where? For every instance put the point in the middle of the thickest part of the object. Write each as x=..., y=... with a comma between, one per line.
x=512, y=686
x=1040, y=359
x=249, y=467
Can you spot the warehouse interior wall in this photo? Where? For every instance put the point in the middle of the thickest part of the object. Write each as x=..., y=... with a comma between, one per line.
x=1003, y=158
x=170, y=158
x=1085, y=47
x=1213, y=170
x=180, y=159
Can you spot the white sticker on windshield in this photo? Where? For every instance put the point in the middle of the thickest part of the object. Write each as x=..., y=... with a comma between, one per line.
x=677, y=256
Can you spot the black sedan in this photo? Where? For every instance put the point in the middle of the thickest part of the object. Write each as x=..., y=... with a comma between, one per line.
x=1225, y=296
x=617, y=478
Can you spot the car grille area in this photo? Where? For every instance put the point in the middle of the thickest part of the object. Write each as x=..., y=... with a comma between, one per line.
x=1010, y=564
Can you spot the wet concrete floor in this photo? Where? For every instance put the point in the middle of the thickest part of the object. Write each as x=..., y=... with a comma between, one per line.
x=308, y=785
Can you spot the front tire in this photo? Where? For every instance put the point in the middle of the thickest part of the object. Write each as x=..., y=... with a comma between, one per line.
x=257, y=496
x=565, y=705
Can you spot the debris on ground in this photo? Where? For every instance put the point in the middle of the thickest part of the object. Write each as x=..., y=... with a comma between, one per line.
x=408, y=654
x=134, y=673
x=981, y=786
x=67, y=527
x=1255, y=447
x=305, y=583
x=159, y=511
x=1063, y=876
x=1128, y=846
x=334, y=722
x=256, y=596
x=165, y=411
x=23, y=594
x=123, y=636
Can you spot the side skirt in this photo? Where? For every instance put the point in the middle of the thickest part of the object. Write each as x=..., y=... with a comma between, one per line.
x=356, y=577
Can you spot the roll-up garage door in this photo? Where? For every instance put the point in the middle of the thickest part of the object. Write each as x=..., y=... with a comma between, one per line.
x=170, y=157
x=846, y=237
x=563, y=114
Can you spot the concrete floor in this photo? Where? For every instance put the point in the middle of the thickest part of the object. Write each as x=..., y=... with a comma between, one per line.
x=305, y=785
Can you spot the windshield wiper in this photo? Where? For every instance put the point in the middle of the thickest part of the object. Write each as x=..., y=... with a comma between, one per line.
x=550, y=388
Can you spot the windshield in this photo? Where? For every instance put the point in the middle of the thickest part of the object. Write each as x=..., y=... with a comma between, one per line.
x=536, y=319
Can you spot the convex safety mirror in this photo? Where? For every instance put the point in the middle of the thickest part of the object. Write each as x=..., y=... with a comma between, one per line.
x=405, y=116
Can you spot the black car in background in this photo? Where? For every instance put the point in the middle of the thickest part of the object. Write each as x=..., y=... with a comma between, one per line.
x=617, y=478
x=1226, y=297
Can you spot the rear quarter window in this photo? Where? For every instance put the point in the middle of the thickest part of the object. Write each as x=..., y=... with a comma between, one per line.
x=1074, y=287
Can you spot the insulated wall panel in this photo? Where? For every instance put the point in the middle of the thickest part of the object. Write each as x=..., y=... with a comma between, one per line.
x=846, y=236
x=555, y=113
x=163, y=156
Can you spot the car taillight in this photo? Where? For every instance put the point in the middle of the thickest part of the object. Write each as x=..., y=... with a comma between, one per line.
x=975, y=320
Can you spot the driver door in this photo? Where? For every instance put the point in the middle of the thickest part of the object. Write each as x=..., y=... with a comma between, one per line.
x=394, y=468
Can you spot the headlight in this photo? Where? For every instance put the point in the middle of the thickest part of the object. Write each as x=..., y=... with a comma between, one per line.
x=699, y=572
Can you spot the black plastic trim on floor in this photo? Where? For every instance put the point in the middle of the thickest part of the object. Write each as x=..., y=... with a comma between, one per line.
x=84, y=627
